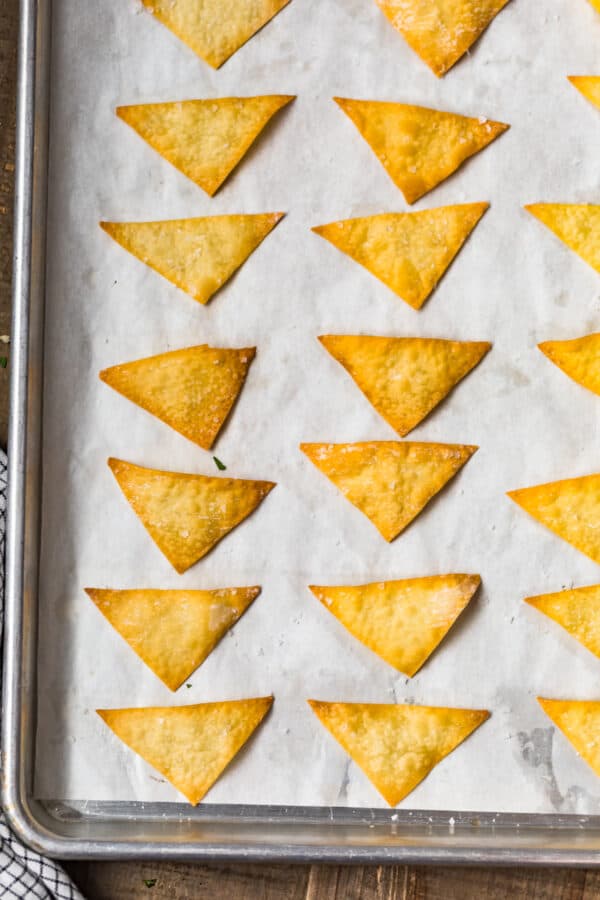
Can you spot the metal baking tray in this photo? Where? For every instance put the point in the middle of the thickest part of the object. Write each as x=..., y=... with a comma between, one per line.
x=136, y=830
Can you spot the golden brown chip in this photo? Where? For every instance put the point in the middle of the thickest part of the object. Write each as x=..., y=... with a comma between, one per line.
x=186, y=515
x=388, y=481
x=197, y=255
x=173, y=631
x=579, y=359
x=577, y=610
x=192, y=390
x=397, y=745
x=190, y=745
x=569, y=508
x=402, y=621
x=408, y=252
x=588, y=85
x=418, y=147
x=596, y=4
x=579, y=721
x=214, y=29
x=204, y=139
x=576, y=224
x=404, y=378
x=441, y=31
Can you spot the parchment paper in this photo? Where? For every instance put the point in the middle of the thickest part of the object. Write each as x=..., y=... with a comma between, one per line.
x=514, y=283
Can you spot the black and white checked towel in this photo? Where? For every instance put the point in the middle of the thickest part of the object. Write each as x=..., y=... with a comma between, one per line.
x=23, y=872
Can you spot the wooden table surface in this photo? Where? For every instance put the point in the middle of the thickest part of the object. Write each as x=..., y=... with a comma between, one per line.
x=113, y=881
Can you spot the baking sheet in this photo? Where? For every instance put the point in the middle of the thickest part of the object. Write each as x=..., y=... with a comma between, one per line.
x=513, y=283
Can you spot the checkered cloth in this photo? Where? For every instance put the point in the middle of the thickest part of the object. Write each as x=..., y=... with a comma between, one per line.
x=23, y=872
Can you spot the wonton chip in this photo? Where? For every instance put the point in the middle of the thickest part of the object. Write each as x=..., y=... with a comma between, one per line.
x=388, y=481
x=397, y=745
x=417, y=146
x=190, y=745
x=577, y=610
x=192, y=390
x=588, y=85
x=214, y=29
x=186, y=515
x=441, y=31
x=579, y=721
x=197, y=255
x=173, y=631
x=576, y=224
x=569, y=508
x=579, y=359
x=404, y=378
x=409, y=252
x=204, y=139
x=402, y=621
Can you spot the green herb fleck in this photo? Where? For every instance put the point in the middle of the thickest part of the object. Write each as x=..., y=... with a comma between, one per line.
x=188, y=685
x=149, y=882
x=4, y=363
x=219, y=464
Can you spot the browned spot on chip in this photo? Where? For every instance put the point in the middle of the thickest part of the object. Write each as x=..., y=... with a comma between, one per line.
x=397, y=746
x=418, y=147
x=190, y=745
x=197, y=255
x=402, y=621
x=388, y=481
x=186, y=515
x=204, y=139
x=173, y=631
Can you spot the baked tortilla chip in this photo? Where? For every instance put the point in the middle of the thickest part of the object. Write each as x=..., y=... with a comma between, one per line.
x=576, y=610
x=441, y=31
x=579, y=359
x=588, y=85
x=409, y=252
x=388, y=481
x=214, y=29
x=417, y=146
x=186, y=515
x=404, y=378
x=173, y=631
x=204, y=139
x=402, y=621
x=579, y=721
x=192, y=390
x=596, y=4
x=576, y=224
x=397, y=745
x=197, y=255
x=569, y=508
x=190, y=745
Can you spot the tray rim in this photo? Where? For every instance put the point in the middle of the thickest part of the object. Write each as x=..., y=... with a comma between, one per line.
x=444, y=838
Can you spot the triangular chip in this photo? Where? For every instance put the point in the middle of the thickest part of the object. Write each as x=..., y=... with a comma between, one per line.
x=192, y=390
x=569, y=508
x=173, y=631
x=186, y=515
x=190, y=745
x=204, y=139
x=409, y=252
x=388, y=481
x=417, y=146
x=588, y=85
x=577, y=610
x=397, y=745
x=214, y=29
x=441, y=31
x=402, y=621
x=579, y=359
x=576, y=224
x=579, y=721
x=197, y=255
x=404, y=378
